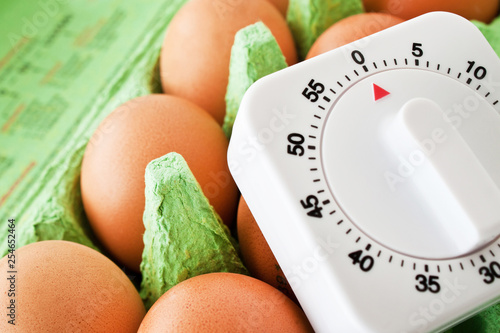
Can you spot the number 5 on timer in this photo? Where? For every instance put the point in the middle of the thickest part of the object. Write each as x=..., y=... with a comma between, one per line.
x=393, y=154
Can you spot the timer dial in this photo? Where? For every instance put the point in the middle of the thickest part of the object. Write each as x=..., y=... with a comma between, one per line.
x=408, y=173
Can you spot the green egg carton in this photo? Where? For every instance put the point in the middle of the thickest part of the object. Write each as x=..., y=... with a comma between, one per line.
x=65, y=65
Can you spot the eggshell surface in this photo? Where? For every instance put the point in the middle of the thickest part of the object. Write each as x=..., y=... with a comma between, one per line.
x=224, y=302
x=115, y=160
x=256, y=253
x=62, y=286
x=195, y=56
x=281, y=5
x=481, y=10
x=351, y=29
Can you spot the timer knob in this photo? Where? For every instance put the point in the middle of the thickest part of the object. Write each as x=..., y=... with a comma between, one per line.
x=450, y=180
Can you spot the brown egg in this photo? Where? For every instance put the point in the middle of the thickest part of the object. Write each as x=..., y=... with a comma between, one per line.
x=256, y=254
x=115, y=160
x=224, y=302
x=482, y=10
x=62, y=286
x=194, y=61
x=351, y=29
x=281, y=5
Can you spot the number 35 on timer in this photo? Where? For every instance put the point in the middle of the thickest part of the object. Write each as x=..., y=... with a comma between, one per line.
x=391, y=158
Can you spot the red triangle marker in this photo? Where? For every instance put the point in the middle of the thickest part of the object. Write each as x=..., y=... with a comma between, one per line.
x=379, y=92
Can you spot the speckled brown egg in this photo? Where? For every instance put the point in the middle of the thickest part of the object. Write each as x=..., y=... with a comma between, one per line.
x=224, y=302
x=195, y=56
x=256, y=253
x=351, y=29
x=115, y=160
x=62, y=286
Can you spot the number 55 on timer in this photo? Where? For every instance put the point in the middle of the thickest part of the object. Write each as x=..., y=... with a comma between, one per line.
x=393, y=154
